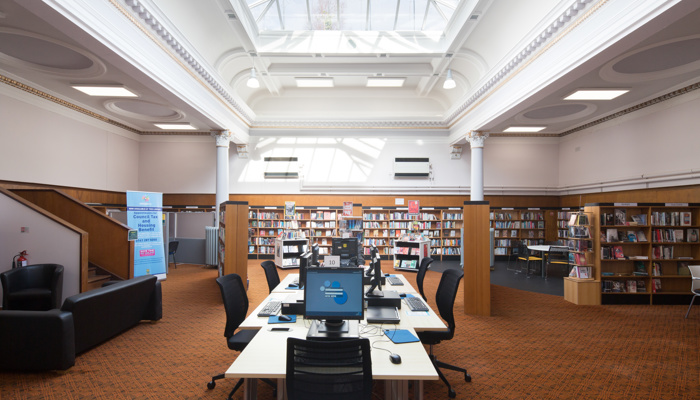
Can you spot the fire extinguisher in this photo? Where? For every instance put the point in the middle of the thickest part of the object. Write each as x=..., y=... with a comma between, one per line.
x=21, y=260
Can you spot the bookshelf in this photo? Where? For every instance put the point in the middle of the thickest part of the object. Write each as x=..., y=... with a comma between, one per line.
x=512, y=225
x=452, y=225
x=287, y=251
x=641, y=250
x=409, y=254
x=581, y=286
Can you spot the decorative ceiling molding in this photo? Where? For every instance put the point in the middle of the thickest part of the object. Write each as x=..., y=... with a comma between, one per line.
x=150, y=20
x=349, y=125
x=550, y=36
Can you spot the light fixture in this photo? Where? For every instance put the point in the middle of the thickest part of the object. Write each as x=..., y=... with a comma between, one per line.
x=253, y=81
x=105, y=90
x=385, y=82
x=176, y=127
x=524, y=129
x=449, y=82
x=596, y=94
x=315, y=82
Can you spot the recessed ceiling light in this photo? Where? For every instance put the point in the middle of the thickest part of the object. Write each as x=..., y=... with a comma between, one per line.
x=523, y=129
x=176, y=127
x=385, y=82
x=105, y=90
x=596, y=94
x=314, y=82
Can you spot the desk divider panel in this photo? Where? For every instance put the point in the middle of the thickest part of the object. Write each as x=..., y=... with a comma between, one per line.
x=477, y=277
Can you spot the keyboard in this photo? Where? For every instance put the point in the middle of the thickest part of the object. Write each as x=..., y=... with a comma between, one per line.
x=271, y=308
x=416, y=304
x=394, y=280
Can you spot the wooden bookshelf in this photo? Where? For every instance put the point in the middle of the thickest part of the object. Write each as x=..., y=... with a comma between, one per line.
x=513, y=225
x=641, y=248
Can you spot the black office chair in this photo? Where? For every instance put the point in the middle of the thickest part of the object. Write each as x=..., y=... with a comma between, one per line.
x=236, y=307
x=420, y=277
x=445, y=299
x=37, y=287
x=557, y=256
x=172, y=249
x=526, y=257
x=273, y=278
x=333, y=370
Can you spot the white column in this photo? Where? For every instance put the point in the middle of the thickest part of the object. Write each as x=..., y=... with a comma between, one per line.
x=223, y=138
x=476, y=141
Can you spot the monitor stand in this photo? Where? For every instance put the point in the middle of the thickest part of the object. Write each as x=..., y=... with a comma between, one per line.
x=333, y=330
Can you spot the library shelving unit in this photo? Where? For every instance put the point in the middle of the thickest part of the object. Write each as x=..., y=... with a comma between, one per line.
x=288, y=250
x=641, y=251
x=375, y=222
x=408, y=254
x=581, y=286
x=512, y=225
x=563, y=217
x=452, y=224
x=319, y=225
x=233, y=238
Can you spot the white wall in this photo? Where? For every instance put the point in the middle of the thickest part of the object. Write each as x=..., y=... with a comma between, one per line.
x=42, y=142
x=46, y=242
x=632, y=151
x=178, y=165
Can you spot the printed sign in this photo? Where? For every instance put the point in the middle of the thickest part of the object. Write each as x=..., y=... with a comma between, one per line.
x=145, y=215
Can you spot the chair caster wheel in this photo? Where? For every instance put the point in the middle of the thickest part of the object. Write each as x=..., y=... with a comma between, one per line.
x=211, y=385
x=467, y=378
x=452, y=394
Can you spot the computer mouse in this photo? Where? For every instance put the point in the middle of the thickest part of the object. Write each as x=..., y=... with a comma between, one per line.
x=395, y=358
x=284, y=318
x=402, y=295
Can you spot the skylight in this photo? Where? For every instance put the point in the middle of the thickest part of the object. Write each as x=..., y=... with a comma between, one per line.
x=352, y=15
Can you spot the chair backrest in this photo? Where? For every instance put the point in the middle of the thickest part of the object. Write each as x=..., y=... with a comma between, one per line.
x=235, y=301
x=273, y=278
x=523, y=251
x=420, y=277
x=695, y=273
x=445, y=297
x=172, y=246
x=338, y=369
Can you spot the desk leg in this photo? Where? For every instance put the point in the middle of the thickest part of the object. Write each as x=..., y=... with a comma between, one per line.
x=396, y=390
x=281, y=389
x=250, y=388
x=543, y=269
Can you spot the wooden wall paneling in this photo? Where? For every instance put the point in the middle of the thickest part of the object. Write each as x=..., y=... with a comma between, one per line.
x=477, y=271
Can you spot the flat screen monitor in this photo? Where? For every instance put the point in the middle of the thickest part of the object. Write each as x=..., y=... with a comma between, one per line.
x=314, y=255
x=333, y=297
x=346, y=248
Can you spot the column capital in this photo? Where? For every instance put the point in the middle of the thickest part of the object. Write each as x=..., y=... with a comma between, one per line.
x=476, y=138
x=223, y=138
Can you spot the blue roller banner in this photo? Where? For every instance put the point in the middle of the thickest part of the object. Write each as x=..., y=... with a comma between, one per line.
x=145, y=214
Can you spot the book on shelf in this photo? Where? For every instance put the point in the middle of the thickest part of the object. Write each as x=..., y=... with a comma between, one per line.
x=640, y=269
x=611, y=235
x=656, y=285
x=655, y=269
x=632, y=286
x=692, y=236
x=641, y=237
x=618, y=287
x=631, y=236
x=641, y=287
x=584, y=272
x=686, y=218
x=619, y=255
x=620, y=216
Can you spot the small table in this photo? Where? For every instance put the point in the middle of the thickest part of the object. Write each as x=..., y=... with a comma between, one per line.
x=545, y=249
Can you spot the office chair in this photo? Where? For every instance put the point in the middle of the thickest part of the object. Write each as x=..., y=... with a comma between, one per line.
x=525, y=257
x=422, y=270
x=172, y=249
x=445, y=299
x=273, y=278
x=236, y=307
x=695, y=285
x=334, y=370
x=37, y=287
x=515, y=252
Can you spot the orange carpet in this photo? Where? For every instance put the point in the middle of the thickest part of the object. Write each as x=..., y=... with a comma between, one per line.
x=534, y=346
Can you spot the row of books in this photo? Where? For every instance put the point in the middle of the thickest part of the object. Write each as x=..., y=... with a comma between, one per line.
x=451, y=242
x=577, y=258
x=613, y=235
x=411, y=251
x=506, y=224
x=579, y=232
x=411, y=264
x=409, y=225
x=497, y=233
x=451, y=225
x=681, y=268
x=619, y=217
x=581, y=272
x=536, y=216
x=674, y=235
x=662, y=252
x=263, y=215
x=672, y=218
x=321, y=232
x=626, y=286
x=579, y=245
x=578, y=219
x=532, y=225
x=403, y=215
x=611, y=253
x=448, y=251
x=375, y=225
x=499, y=216
x=320, y=224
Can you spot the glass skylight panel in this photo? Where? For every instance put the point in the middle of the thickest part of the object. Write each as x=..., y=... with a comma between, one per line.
x=352, y=15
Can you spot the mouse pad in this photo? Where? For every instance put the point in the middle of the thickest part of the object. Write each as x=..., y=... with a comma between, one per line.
x=399, y=336
x=275, y=319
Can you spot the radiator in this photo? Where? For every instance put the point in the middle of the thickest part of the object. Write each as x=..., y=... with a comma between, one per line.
x=211, y=250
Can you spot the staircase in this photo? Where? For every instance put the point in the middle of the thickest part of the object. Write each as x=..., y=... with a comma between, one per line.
x=98, y=276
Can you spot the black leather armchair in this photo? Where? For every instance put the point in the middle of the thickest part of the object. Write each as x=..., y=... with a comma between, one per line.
x=37, y=287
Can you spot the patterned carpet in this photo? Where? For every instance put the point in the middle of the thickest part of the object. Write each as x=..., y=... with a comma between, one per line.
x=534, y=346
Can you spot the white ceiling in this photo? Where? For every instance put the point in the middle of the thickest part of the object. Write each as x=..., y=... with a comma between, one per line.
x=189, y=61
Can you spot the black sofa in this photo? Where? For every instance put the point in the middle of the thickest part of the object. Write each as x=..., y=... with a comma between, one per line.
x=47, y=340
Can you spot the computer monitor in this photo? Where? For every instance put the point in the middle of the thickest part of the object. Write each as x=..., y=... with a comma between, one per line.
x=334, y=299
x=314, y=255
x=375, y=266
x=346, y=248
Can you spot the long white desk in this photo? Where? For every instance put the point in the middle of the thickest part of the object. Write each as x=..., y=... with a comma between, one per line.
x=265, y=356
